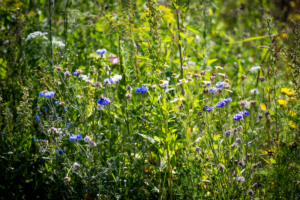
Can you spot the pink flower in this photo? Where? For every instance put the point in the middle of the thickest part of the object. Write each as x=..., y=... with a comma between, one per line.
x=114, y=61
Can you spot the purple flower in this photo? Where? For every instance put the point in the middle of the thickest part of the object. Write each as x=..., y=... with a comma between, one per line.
x=228, y=133
x=250, y=192
x=260, y=117
x=103, y=101
x=241, y=163
x=240, y=179
x=181, y=105
x=101, y=51
x=197, y=150
x=142, y=90
x=221, y=167
x=238, y=140
x=199, y=113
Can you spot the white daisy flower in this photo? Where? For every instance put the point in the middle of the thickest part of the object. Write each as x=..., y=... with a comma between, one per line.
x=177, y=99
x=219, y=67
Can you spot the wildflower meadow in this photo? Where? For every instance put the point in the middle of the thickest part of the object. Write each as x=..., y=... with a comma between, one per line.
x=149, y=99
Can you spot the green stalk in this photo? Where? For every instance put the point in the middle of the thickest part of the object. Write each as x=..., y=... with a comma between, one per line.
x=180, y=52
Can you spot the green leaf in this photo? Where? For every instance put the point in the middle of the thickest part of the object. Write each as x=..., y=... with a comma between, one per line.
x=167, y=39
x=209, y=62
x=147, y=138
x=193, y=28
x=143, y=57
x=251, y=39
x=190, y=39
x=177, y=61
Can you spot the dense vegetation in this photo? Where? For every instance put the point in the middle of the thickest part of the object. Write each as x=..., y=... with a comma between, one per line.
x=146, y=99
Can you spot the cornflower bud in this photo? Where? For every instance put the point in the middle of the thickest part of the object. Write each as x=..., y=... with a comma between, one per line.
x=128, y=96
x=253, y=102
x=214, y=73
x=262, y=79
x=219, y=90
x=196, y=75
x=212, y=78
x=205, y=90
x=191, y=111
x=58, y=68
x=243, y=77
x=203, y=73
x=227, y=87
x=153, y=87
x=243, y=103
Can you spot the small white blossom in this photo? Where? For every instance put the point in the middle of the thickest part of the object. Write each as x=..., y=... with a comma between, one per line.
x=87, y=139
x=76, y=165
x=36, y=34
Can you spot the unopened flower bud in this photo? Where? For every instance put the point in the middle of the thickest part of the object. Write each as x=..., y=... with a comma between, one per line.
x=214, y=73
x=212, y=78
x=243, y=77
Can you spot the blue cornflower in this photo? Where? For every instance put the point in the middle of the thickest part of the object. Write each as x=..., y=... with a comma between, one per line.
x=226, y=101
x=61, y=152
x=260, y=117
x=237, y=117
x=228, y=133
x=219, y=84
x=250, y=192
x=101, y=51
x=103, y=101
x=76, y=74
x=142, y=90
x=37, y=106
x=37, y=118
x=57, y=102
x=245, y=113
x=75, y=137
x=34, y=139
x=65, y=108
x=238, y=140
x=45, y=108
x=207, y=108
x=49, y=94
x=68, y=124
x=41, y=94
x=59, y=118
x=50, y=116
x=220, y=104
x=212, y=89
x=108, y=81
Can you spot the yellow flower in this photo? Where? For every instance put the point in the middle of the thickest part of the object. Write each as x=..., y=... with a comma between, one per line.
x=284, y=35
x=290, y=94
x=292, y=113
x=282, y=102
x=292, y=100
x=292, y=124
x=285, y=90
x=227, y=80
